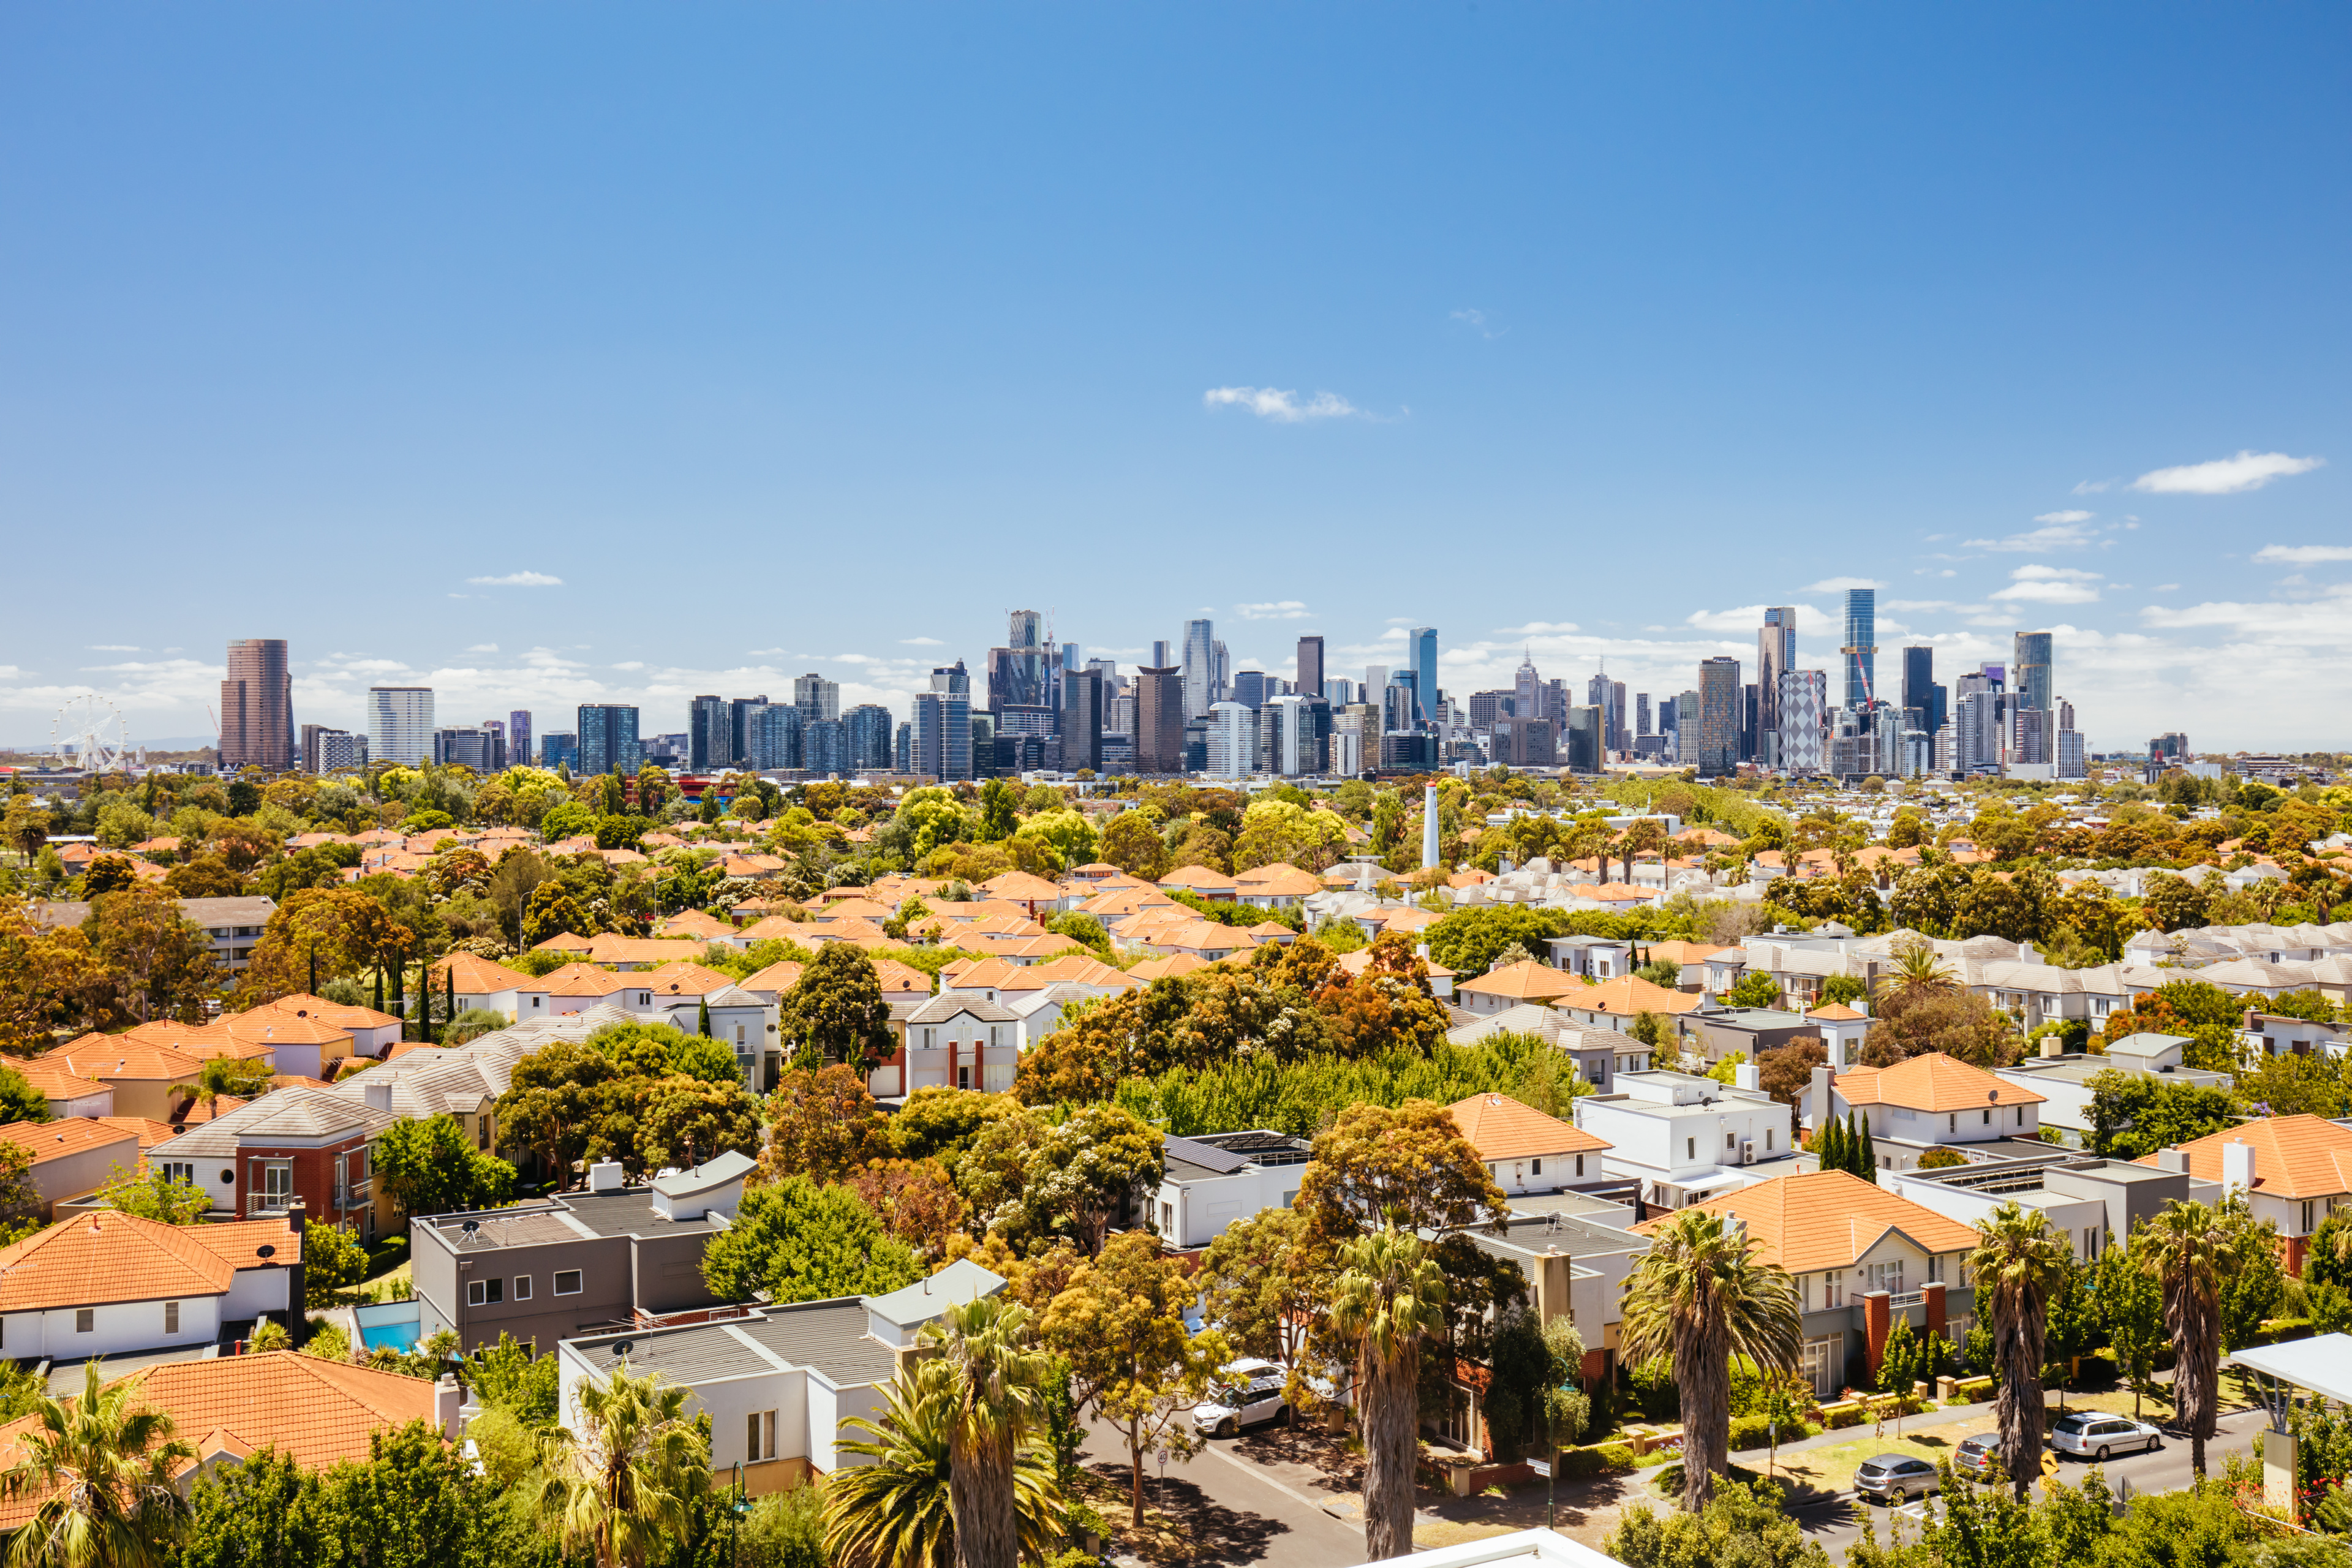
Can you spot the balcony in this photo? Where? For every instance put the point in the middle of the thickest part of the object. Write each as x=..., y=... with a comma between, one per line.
x=357, y=1195
x=261, y=1206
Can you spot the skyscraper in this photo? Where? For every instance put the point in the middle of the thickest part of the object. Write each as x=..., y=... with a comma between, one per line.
x=1376, y=682
x=775, y=737
x=1719, y=705
x=1249, y=687
x=1309, y=671
x=1860, y=648
x=743, y=720
x=1233, y=741
x=818, y=700
x=2029, y=672
x=710, y=741
x=1162, y=653
x=1420, y=643
x=400, y=724
x=1200, y=668
x=1527, y=689
x=519, y=738
x=868, y=732
x=1082, y=712
x=942, y=735
x=608, y=738
x=1802, y=736
x=1159, y=719
x=257, y=711
x=1776, y=651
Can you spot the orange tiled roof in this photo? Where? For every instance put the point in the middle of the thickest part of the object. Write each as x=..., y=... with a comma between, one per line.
x=563, y=941
x=580, y=980
x=146, y=1129
x=855, y=909
x=335, y=1013
x=1162, y=968
x=684, y=979
x=57, y=1081
x=1933, y=1082
x=105, y=1255
x=1278, y=880
x=773, y=928
x=1527, y=980
x=1627, y=996
x=1020, y=886
x=477, y=975
x=2295, y=1156
x=1679, y=951
x=897, y=977
x=1829, y=1219
x=1836, y=1012
x=779, y=977
x=47, y=1141
x=1074, y=969
x=1500, y=1128
x=1197, y=880
x=266, y=1027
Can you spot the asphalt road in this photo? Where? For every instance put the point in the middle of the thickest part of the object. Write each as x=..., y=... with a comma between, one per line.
x=1233, y=1511
x=1837, y=1525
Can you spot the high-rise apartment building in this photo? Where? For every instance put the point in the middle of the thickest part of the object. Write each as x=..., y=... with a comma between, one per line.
x=1803, y=702
x=1776, y=654
x=1233, y=741
x=400, y=724
x=519, y=738
x=1203, y=689
x=867, y=731
x=326, y=750
x=818, y=700
x=1376, y=682
x=257, y=706
x=824, y=746
x=1082, y=717
x=482, y=749
x=1582, y=752
x=1719, y=715
x=1159, y=719
x=1642, y=714
x=772, y=737
x=1420, y=643
x=2029, y=672
x=1922, y=697
x=2170, y=749
x=608, y=738
x=1860, y=650
x=942, y=736
x=2071, y=761
x=1526, y=690
x=1310, y=671
x=742, y=718
x=1525, y=742
x=1163, y=654
x=709, y=738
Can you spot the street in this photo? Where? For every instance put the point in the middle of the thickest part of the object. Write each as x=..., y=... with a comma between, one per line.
x=1247, y=1500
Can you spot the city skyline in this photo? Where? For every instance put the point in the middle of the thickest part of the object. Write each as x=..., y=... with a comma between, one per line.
x=280, y=316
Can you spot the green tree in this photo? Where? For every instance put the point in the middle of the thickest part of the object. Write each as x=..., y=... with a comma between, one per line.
x=19, y=1101
x=1409, y=1164
x=622, y=1483
x=332, y=1261
x=1264, y=1280
x=994, y=1387
x=2187, y=1249
x=430, y=1166
x=825, y=1124
x=1700, y=1296
x=1388, y=1297
x=835, y=1009
x=2131, y=1313
x=554, y=1099
x=799, y=1241
x=1532, y=1397
x=162, y=960
x=898, y=1506
x=1740, y=1524
x=1755, y=989
x=2133, y=1115
x=691, y=1121
x=155, y=1193
x=97, y=1470
x=2017, y=1261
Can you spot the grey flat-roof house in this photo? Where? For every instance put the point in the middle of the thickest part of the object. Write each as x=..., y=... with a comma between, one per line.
x=576, y=1264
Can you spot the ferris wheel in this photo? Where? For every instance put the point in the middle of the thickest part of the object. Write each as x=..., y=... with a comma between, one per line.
x=93, y=731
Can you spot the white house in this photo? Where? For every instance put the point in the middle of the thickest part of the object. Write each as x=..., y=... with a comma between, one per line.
x=962, y=1041
x=1211, y=1180
x=1929, y=1101
x=105, y=1283
x=1686, y=1138
x=2065, y=1079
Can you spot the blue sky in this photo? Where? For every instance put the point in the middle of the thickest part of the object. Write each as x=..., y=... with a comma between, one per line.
x=789, y=339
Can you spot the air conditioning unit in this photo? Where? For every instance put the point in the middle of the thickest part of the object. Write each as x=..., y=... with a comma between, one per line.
x=1748, y=1151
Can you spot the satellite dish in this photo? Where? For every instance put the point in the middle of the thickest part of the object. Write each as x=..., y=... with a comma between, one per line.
x=472, y=1227
x=264, y=1252
x=623, y=1349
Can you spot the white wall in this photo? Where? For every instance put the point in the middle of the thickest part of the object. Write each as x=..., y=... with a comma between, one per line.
x=254, y=1291
x=1204, y=1208
x=116, y=1328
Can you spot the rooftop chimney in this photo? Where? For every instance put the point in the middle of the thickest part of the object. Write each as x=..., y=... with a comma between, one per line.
x=604, y=1176
x=1746, y=1075
x=2173, y=1159
x=377, y=1094
x=2237, y=1167
x=2052, y=1045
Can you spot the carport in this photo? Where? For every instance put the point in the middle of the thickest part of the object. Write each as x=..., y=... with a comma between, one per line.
x=2320, y=1366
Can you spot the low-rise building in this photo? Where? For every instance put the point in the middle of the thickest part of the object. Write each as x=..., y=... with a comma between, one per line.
x=1616, y=1003
x=1684, y=1138
x=2294, y=1171
x=1211, y=1180
x=73, y=1156
x=293, y=1147
x=1715, y=1032
x=104, y=1283
x=2091, y=1202
x=1514, y=985
x=1526, y=1151
x=1600, y=1054
x=2063, y=1078
x=1930, y=1101
x=959, y=1040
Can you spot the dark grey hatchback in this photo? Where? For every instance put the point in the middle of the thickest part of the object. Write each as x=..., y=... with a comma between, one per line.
x=1893, y=1478
x=1979, y=1457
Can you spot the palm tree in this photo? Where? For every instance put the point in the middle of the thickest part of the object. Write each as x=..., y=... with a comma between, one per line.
x=622, y=1487
x=1388, y=1296
x=1700, y=1296
x=2017, y=1262
x=1919, y=970
x=2188, y=1250
x=993, y=1386
x=899, y=1512
x=98, y=1471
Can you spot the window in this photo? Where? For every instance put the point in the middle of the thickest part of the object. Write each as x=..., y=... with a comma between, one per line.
x=1767, y=1140
x=482, y=1130
x=1731, y=1140
x=1580, y=1164
x=171, y=1317
x=1833, y=1288
x=1988, y=1116
x=523, y=1288
x=174, y=1171
x=1690, y=1148
x=963, y=1076
x=85, y=1319
x=759, y=1436
x=567, y=1282
x=645, y=998
x=485, y=1292
x=1535, y=1168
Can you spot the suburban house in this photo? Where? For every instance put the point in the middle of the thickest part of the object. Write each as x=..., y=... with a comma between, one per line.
x=1276, y=887
x=580, y=1263
x=2277, y=1035
x=1514, y=984
x=1516, y=1142
x=73, y=1156
x=1930, y=1102
x=2294, y=1171
x=314, y=1412
x=105, y=1283
x=777, y=1382
x=1211, y=1180
x=231, y=926
x=1615, y=1003
x=1591, y=957
x=1715, y=1032
x=1861, y=1255
x=68, y=1092
x=1599, y=1054
x=2063, y=1078
x=301, y=1044
x=960, y=1039
x=305, y=1146
x=1685, y=1138
x=2089, y=1202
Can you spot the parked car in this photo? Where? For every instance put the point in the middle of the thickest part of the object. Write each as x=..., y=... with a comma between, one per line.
x=1978, y=1457
x=2095, y=1435
x=1248, y=1393
x=1893, y=1478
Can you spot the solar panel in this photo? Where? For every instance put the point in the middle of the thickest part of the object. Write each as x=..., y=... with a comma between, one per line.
x=1202, y=1155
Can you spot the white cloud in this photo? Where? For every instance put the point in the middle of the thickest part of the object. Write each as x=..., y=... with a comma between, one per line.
x=764, y=653
x=1536, y=629
x=2051, y=535
x=2301, y=554
x=1907, y=607
x=114, y=647
x=630, y=663
x=2066, y=517
x=483, y=648
x=2040, y=585
x=921, y=642
x=1275, y=610
x=2225, y=476
x=1840, y=584
x=1281, y=407
x=518, y=580
x=2093, y=487
x=1476, y=322
x=1748, y=620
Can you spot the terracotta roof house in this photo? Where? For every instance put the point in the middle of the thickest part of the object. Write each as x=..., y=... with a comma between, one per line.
x=295, y=1042
x=694, y=923
x=1862, y=1256
x=372, y=1032
x=73, y=1158
x=68, y=1092
x=775, y=981
x=1175, y=964
x=1275, y=887
x=2295, y=1171
x=1039, y=896
x=899, y=978
x=1929, y=1101
x=1615, y=1003
x=769, y=928
x=104, y=1283
x=1526, y=981
x=1526, y=1151
x=140, y=1074
x=481, y=982
x=1199, y=880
